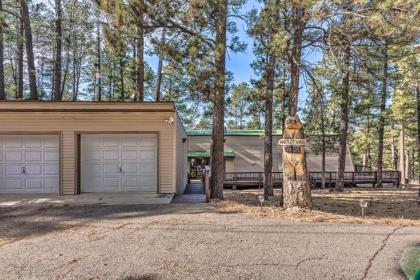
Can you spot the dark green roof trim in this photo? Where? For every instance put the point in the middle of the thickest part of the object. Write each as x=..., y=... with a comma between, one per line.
x=206, y=154
x=231, y=132
x=247, y=132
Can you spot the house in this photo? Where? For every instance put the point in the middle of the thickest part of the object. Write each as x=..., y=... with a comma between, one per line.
x=244, y=151
x=76, y=147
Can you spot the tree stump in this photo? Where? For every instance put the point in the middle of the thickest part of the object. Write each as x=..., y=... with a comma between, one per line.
x=296, y=186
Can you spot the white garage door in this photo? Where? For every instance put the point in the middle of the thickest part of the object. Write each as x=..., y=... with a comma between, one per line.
x=119, y=162
x=29, y=164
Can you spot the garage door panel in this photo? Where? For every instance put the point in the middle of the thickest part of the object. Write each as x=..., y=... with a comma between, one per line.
x=110, y=141
x=51, y=183
x=129, y=168
x=32, y=142
x=147, y=168
x=148, y=141
x=12, y=142
x=111, y=155
x=35, y=183
x=51, y=156
x=147, y=155
x=111, y=168
x=33, y=156
x=111, y=182
x=51, y=143
x=129, y=155
x=91, y=155
x=52, y=169
x=13, y=170
x=130, y=142
x=129, y=183
x=34, y=170
x=93, y=169
x=148, y=182
x=14, y=183
x=13, y=156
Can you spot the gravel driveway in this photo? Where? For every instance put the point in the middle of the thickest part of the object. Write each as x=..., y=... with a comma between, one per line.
x=190, y=242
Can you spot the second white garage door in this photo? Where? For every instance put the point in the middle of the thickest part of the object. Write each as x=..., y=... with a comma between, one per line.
x=119, y=162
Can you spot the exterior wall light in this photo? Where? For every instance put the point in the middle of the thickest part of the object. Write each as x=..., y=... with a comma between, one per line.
x=170, y=121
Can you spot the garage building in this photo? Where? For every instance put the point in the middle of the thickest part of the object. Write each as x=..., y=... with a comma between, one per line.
x=77, y=147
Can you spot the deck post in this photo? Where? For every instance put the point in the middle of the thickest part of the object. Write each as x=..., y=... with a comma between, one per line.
x=375, y=178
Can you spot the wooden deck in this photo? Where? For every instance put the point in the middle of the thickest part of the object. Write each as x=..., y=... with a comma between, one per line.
x=350, y=178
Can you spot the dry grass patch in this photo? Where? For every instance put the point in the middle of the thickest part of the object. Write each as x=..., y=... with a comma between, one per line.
x=386, y=206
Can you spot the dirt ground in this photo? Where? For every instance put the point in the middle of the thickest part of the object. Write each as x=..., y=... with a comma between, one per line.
x=385, y=206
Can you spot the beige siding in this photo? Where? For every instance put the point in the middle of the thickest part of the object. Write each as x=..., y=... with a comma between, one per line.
x=229, y=165
x=181, y=157
x=249, y=153
x=69, y=123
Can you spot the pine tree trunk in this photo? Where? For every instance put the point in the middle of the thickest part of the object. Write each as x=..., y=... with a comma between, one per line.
x=394, y=158
x=122, y=78
x=58, y=48
x=381, y=130
x=268, y=139
x=344, y=120
x=19, y=54
x=2, y=90
x=98, y=51
x=65, y=74
x=323, y=140
x=160, y=66
x=402, y=156
x=295, y=60
x=140, y=54
x=418, y=130
x=33, y=91
x=217, y=152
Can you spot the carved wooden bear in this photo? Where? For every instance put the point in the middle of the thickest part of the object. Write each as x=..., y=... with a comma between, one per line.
x=294, y=155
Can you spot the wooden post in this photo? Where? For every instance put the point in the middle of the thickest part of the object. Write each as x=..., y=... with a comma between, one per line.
x=207, y=184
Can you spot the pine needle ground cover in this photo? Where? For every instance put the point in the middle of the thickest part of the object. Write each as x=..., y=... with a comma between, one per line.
x=385, y=206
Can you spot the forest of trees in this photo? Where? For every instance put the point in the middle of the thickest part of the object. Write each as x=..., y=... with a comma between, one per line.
x=363, y=86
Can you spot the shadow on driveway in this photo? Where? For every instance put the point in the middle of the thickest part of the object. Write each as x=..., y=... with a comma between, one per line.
x=22, y=221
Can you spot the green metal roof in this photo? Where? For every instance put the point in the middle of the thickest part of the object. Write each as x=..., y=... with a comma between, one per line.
x=206, y=154
x=247, y=132
x=232, y=132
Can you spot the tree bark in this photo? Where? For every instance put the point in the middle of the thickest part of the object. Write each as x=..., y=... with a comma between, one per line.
x=394, y=158
x=295, y=58
x=268, y=128
x=65, y=74
x=98, y=50
x=296, y=185
x=160, y=67
x=58, y=49
x=381, y=130
x=344, y=120
x=33, y=91
x=418, y=129
x=2, y=90
x=20, y=41
x=140, y=54
x=323, y=139
x=217, y=153
x=122, y=77
x=402, y=156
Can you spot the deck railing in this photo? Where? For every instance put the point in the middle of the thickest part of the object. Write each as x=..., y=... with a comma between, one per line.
x=350, y=177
